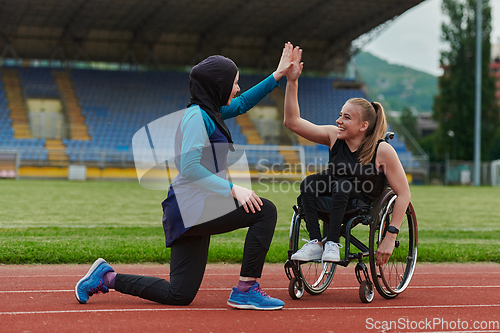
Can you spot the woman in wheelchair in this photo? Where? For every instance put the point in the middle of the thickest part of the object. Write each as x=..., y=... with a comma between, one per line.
x=359, y=165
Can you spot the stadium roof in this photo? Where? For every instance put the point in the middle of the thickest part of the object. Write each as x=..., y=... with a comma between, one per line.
x=183, y=32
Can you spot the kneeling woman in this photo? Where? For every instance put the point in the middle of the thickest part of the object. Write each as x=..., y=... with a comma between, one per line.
x=201, y=202
x=359, y=164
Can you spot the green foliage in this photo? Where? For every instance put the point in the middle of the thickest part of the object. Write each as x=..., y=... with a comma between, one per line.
x=396, y=87
x=54, y=222
x=454, y=107
x=428, y=144
x=494, y=152
x=409, y=120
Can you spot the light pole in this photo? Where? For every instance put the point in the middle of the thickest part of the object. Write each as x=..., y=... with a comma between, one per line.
x=477, y=136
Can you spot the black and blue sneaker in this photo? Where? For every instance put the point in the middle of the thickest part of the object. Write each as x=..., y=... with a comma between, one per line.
x=92, y=282
x=253, y=299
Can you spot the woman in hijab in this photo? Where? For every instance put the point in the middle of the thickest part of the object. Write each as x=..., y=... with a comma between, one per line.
x=201, y=202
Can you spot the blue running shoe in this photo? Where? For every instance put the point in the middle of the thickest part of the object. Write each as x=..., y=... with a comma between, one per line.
x=253, y=299
x=92, y=283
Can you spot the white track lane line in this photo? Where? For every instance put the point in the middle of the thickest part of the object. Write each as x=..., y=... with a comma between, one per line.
x=228, y=288
x=223, y=274
x=357, y=308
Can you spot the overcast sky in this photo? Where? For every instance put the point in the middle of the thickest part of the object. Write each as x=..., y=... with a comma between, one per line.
x=413, y=39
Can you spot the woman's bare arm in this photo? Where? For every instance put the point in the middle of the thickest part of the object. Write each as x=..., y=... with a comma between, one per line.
x=388, y=160
x=323, y=134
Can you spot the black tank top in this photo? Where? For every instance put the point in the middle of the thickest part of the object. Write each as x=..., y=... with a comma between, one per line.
x=343, y=163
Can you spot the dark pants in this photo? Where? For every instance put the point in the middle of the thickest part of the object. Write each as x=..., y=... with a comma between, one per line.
x=341, y=191
x=189, y=254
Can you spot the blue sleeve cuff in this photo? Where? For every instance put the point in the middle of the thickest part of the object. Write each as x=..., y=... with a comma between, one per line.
x=249, y=98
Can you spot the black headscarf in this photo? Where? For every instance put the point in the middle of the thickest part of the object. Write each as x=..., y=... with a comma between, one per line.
x=211, y=82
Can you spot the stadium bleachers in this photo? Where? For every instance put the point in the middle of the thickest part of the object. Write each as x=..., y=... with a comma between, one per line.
x=38, y=82
x=29, y=149
x=116, y=104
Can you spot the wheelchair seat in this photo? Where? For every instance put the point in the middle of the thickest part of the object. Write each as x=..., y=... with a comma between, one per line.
x=355, y=206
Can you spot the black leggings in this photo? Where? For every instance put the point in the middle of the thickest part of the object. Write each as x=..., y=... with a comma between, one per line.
x=189, y=254
x=341, y=191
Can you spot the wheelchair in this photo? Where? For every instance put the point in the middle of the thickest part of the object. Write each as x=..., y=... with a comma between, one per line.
x=389, y=280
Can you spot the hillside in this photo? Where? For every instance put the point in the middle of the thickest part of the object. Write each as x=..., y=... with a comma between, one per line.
x=396, y=86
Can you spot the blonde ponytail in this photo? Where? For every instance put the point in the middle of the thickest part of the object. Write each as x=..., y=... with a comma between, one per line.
x=374, y=114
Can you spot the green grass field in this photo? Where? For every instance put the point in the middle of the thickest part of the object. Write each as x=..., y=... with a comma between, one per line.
x=52, y=222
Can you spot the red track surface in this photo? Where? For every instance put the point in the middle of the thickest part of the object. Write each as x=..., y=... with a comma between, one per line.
x=440, y=298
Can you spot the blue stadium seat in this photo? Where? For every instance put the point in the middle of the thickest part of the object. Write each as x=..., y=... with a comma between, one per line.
x=116, y=104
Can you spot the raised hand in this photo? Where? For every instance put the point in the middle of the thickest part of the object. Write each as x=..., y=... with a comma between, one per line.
x=296, y=69
x=285, y=62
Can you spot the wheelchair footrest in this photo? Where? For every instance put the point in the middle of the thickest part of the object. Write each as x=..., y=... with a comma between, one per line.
x=290, y=269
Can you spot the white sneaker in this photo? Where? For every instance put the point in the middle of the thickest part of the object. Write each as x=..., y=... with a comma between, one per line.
x=331, y=252
x=311, y=251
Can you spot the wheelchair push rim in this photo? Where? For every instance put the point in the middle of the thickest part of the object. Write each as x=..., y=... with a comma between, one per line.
x=315, y=275
x=394, y=277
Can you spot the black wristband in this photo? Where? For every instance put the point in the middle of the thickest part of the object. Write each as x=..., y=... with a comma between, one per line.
x=393, y=230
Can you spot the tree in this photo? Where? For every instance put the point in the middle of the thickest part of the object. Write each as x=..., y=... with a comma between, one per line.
x=409, y=120
x=454, y=106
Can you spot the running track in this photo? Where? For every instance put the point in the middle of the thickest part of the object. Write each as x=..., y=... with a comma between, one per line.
x=440, y=298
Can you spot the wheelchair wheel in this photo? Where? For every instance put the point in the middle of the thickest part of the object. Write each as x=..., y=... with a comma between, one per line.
x=392, y=279
x=315, y=275
x=295, y=288
x=366, y=291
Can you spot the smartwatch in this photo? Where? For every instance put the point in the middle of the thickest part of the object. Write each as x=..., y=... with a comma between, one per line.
x=393, y=230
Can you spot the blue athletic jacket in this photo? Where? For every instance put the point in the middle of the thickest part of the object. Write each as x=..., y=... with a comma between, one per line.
x=201, y=151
